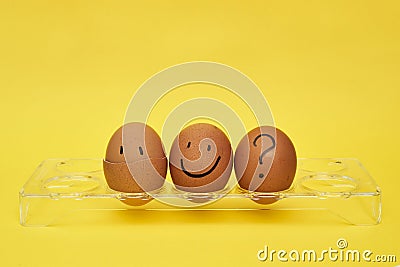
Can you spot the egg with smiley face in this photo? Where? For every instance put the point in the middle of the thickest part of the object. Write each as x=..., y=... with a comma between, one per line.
x=201, y=159
x=135, y=161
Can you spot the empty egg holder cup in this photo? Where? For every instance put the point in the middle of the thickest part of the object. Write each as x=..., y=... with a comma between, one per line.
x=341, y=186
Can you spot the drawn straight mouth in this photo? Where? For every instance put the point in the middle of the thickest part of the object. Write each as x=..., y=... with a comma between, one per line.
x=200, y=174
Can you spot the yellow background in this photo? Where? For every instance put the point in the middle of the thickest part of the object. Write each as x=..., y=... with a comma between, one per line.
x=329, y=69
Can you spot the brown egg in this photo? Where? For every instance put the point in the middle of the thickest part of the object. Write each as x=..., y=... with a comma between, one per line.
x=201, y=159
x=135, y=161
x=265, y=161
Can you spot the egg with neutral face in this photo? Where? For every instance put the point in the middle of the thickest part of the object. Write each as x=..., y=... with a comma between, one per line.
x=135, y=161
x=265, y=161
x=201, y=159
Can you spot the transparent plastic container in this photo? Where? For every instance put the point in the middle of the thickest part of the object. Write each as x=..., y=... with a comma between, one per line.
x=341, y=186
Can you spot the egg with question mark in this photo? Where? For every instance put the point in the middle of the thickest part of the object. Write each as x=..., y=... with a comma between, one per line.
x=265, y=161
x=135, y=161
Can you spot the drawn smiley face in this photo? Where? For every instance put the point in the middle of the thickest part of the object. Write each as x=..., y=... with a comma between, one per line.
x=201, y=159
x=134, y=142
x=205, y=173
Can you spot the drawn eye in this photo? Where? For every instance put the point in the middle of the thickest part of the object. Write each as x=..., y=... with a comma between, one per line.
x=121, y=150
x=188, y=145
x=141, y=150
x=208, y=148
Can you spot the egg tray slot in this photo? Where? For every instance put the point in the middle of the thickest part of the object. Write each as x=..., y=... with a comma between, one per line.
x=341, y=186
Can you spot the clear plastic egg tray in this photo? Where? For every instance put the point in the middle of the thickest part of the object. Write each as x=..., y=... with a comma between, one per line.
x=60, y=186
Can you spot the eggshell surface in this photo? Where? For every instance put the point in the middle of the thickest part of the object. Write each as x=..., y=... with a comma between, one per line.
x=265, y=160
x=135, y=160
x=201, y=159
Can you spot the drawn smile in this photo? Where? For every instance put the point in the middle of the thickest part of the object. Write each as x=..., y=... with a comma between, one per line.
x=199, y=175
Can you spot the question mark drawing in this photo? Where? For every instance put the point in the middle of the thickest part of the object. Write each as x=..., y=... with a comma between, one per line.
x=260, y=159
